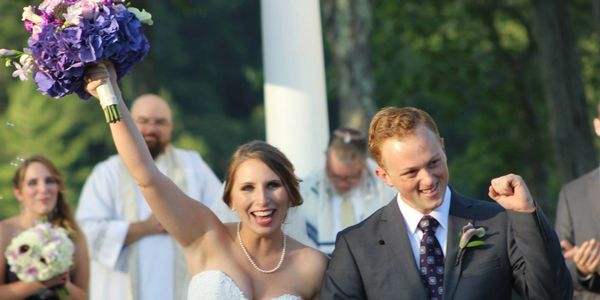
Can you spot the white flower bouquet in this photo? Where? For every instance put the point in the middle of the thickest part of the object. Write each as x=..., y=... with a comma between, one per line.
x=40, y=253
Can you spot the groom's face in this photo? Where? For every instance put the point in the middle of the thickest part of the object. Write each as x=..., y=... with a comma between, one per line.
x=416, y=166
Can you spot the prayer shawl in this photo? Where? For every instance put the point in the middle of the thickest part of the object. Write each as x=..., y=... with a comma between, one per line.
x=104, y=217
x=318, y=193
x=176, y=173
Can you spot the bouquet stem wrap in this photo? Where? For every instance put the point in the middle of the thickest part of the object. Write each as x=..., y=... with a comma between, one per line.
x=109, y=102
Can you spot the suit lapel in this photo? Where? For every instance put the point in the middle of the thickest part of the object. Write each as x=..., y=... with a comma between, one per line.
x=593, y=192
x=394, y=233
x=460, y=215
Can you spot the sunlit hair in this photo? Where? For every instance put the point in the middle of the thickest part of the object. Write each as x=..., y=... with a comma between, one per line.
x=270, y=156
x=396, y=122
x=61, y=215
x=348, y=144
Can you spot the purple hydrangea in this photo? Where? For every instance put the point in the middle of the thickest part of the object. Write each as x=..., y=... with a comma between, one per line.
x=62, y=55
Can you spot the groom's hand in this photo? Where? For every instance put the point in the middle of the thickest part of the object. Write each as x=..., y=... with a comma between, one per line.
x=510, y=191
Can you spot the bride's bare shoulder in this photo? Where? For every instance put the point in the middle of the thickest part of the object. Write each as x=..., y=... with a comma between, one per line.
x=309, y=265
x=302, y=254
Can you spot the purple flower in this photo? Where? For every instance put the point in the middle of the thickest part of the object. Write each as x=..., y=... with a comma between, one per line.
x=61, y=56
x=28, y=25
x=50, y=5
x=89, y=9
x=6, y=52
x=31, y=271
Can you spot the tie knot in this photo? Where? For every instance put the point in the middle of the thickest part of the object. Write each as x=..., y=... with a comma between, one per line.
x=428, y=224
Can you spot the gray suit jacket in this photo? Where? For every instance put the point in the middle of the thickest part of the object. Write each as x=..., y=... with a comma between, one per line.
x=578, y=220
x=374, y=260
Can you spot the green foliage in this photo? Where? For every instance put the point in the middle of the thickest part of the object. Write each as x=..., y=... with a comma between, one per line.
x=470, y=65
x=205, y=60
x=68, y=131
x=473, y=65
x=12, y=36
x=207, y=56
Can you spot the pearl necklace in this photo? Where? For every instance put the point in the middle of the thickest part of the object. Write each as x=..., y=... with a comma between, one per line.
x=252, y=261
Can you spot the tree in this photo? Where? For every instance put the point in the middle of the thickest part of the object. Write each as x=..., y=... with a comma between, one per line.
x=70, y=132
x=347, y=26
x=562, y=80
x=471, y=66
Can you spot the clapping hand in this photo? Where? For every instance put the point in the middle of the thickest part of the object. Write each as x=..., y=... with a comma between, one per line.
x=586, y=256
x=511, y=192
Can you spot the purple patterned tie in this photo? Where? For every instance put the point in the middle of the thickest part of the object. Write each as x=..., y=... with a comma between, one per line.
x=431, y=259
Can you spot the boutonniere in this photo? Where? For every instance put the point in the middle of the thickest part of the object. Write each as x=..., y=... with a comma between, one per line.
x=468, y=232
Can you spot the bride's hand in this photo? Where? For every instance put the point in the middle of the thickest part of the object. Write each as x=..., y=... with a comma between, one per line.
x=98, y=75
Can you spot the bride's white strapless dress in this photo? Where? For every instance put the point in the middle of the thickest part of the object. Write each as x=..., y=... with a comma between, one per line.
x=216, y=285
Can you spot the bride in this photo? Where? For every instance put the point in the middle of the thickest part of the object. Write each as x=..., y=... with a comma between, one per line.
x=252, y=259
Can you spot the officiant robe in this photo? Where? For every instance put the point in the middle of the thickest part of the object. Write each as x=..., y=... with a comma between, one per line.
x=157, y=270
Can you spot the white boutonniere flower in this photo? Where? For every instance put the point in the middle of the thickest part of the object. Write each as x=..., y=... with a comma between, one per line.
x=469, y=231
x=465, y=239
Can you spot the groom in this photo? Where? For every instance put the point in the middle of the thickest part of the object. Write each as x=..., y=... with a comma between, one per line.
x=410, y=248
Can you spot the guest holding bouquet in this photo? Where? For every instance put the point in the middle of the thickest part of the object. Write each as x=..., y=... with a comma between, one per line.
x=39, y=187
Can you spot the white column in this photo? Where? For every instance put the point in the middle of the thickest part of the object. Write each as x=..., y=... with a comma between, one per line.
x=295, y=97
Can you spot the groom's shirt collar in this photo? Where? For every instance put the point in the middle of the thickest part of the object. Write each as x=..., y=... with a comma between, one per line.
x=413, y=216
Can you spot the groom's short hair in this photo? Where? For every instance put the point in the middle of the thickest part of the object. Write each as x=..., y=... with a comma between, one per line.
x=396, y=122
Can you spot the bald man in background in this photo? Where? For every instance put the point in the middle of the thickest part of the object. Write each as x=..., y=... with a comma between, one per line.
x=132, y=256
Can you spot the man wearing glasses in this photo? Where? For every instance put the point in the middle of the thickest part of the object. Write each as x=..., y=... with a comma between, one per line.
x=132, y=256
x=345, y=192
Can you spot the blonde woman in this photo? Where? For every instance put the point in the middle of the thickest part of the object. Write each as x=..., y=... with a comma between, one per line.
x=39, y=187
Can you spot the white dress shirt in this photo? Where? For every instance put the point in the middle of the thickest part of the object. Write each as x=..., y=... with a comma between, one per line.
x=413, y=216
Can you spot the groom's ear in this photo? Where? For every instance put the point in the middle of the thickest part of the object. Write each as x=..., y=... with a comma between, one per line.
x=383, y=175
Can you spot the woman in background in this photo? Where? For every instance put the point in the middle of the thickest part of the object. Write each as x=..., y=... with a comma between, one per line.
x=40, y=188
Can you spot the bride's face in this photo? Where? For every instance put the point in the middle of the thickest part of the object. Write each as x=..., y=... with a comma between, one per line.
x=259, y=197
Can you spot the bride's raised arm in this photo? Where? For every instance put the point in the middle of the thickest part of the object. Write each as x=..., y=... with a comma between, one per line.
x=185, y=219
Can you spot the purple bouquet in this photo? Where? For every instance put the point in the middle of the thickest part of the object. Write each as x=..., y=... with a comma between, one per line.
x=68, y=35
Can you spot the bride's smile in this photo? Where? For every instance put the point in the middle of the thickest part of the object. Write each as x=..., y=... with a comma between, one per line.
x=259, y=197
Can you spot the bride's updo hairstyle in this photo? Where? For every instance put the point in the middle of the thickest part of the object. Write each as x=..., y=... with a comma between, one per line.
x=270, y=156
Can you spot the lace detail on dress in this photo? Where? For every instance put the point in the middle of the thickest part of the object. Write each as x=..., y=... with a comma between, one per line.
x=216, y=285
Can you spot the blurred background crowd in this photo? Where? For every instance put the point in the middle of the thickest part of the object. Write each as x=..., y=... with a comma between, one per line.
x=512, y=84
